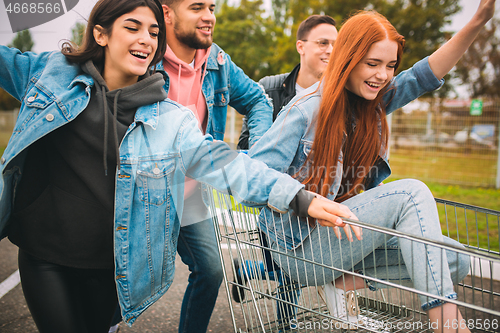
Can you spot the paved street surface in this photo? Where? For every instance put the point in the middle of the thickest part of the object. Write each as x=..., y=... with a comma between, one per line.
x=162, y=317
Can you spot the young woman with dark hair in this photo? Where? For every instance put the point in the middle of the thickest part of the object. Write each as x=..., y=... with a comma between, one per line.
x=333, y=138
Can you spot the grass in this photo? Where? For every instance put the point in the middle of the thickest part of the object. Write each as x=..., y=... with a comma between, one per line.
x=439, y=168
x=4, y=139
x=477, y=229
x=476, y=168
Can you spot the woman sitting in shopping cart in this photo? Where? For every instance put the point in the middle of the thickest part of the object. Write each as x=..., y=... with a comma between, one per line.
x=333, y=138
x=92, y=186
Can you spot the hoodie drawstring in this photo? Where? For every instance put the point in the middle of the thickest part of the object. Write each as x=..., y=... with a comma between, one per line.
x=105, y=108
x=115, y=129
x=179, y=76
x=200, y=121
x=201, y=85
x=179, y=82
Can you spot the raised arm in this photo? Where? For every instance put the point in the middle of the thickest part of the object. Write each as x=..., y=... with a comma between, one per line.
x=443, y=59
x=17, y=68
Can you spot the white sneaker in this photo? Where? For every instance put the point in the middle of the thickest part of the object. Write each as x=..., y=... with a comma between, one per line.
x=341, y=305
x=345, y=306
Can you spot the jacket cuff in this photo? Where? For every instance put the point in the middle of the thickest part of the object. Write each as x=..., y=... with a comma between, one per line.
x=282, y=193
x=300, y=203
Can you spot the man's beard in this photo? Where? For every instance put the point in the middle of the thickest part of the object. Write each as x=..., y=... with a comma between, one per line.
x=191, y=39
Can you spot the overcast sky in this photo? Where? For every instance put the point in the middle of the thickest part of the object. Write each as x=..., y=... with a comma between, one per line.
x=48, y=36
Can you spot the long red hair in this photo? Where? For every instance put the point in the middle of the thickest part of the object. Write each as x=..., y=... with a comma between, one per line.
x=337, y=110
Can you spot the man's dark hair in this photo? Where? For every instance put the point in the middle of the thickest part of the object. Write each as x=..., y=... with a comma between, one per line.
x=310, y=23
x=170, y=3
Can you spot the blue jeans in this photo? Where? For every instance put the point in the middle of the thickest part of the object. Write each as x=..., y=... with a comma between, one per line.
x=405, y=205
x=386, y=263
x=198, y=249
x=287, y=291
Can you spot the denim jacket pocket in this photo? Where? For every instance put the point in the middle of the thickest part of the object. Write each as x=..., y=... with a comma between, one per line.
x=220, y=102
x=152, y=180
x=34, y=105
x=299, y=169
x=36, y=98
x=305, y=151
x=221, y=97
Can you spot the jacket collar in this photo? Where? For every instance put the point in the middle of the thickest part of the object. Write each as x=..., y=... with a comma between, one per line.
x=290, y=81
x=82, y=78
x=212, y=63
x=148, y=114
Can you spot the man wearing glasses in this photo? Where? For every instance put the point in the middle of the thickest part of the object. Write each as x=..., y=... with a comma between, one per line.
x=315, y=38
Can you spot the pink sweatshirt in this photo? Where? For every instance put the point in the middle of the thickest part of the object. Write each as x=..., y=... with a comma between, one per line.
x=185, y=88
x=186, y=82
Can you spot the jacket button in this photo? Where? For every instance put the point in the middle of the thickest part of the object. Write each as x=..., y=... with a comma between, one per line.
x=31, y=99
x=49, y=117
x=2, y=160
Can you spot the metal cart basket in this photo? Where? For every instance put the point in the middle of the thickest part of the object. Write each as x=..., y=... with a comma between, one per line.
x=267, y=300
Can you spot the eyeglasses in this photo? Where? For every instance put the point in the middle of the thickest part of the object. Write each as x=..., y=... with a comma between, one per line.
x=322, y=43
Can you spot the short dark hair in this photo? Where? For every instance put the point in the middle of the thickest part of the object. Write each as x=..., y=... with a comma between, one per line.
x=105, y=13
x=170, y=3
x=311, y=22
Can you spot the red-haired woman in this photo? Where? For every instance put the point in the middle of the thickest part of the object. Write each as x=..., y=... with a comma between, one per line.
x=333, y=138
x=92, y=186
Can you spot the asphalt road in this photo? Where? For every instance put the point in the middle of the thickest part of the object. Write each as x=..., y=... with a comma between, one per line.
x=162, y=317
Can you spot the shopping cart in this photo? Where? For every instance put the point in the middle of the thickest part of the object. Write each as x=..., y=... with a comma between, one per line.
x=268, y=301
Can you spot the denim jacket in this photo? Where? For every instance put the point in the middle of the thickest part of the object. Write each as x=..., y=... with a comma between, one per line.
x=160, y=148
x=288, y=142
x=226, y=84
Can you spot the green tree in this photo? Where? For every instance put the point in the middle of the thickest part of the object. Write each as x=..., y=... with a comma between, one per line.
x=248, y=37
x=77, y=33
x=7, y=102
x=266, y=45
x=479, y=68
x=422, y=23
x=23, y=41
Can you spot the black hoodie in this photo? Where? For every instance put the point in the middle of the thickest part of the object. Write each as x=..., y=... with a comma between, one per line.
x=64, y=204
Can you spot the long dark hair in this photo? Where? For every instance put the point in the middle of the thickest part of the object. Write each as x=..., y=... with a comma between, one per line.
x=105, y=13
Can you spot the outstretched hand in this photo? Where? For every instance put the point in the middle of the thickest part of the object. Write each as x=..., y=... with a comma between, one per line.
x=444, y=58
x=329, y=214
x=485, y=11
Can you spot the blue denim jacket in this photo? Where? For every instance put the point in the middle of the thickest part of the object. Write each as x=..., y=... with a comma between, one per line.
x=226, y=84
x=160, y=148
x=288, y=142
